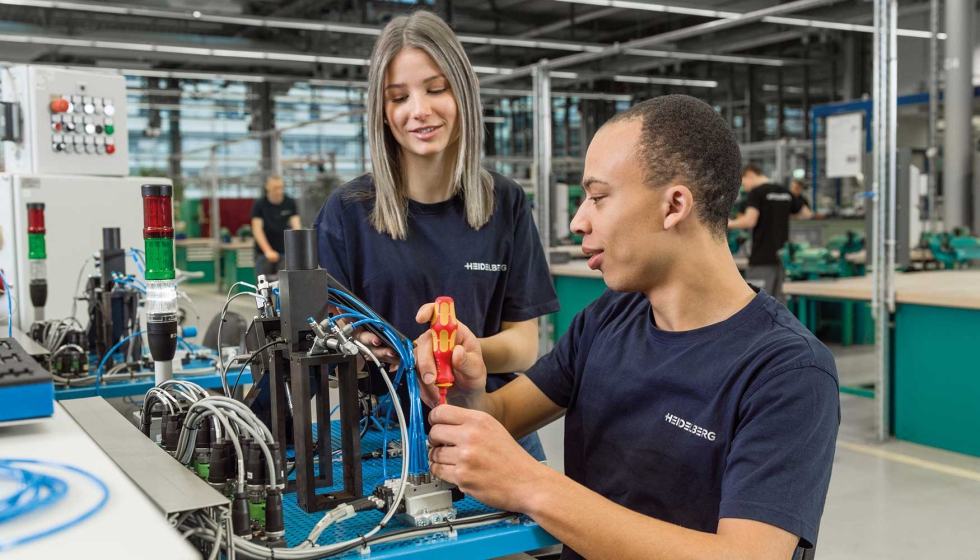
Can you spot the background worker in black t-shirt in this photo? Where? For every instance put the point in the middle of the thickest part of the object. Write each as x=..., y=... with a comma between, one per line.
x=768, y=209
x=272, y=215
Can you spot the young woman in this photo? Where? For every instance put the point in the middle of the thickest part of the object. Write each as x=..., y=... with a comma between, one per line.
x=430, y=221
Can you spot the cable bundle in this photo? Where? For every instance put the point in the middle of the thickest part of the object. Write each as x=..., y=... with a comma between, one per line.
x=363, y=316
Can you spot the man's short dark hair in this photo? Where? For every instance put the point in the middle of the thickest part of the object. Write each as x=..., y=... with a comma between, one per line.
x=752, y=167
x=684, y=139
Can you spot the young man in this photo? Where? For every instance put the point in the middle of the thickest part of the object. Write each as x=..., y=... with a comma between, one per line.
x=768, y=209
x=700, y=416
x=272, y=215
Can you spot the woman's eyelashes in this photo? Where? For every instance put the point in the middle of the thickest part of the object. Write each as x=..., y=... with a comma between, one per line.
x=403, y=98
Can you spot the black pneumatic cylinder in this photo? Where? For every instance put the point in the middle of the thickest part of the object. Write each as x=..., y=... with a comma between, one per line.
x=301, y=249
x=111, y=238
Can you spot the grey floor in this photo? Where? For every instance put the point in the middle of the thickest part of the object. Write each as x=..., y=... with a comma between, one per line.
x=893, y=501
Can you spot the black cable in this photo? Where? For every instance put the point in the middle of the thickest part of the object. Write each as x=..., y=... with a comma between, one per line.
x=252, y=357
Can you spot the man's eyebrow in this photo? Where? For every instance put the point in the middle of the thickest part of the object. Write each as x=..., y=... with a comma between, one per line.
x=427, y=80
x=589, y=181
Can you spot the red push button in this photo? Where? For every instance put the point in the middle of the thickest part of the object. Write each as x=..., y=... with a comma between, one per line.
x=110, y=149
x=56, y=126
x=59, y=106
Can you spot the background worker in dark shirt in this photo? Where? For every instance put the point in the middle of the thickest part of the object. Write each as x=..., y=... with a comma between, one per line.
x=768, y=209
x=272, y=215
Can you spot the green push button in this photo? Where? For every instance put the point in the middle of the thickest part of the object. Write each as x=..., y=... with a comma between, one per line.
x=109, y=129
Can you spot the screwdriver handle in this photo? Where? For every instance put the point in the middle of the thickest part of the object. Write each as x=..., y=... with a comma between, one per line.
x=444, y=327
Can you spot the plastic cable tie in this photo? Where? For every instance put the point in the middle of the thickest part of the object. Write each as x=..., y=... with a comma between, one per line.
x=452, y=530
x=365, y=547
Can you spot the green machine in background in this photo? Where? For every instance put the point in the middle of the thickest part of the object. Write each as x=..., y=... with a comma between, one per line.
x=834, y=320
x=189, y=215
x=196, y=255
x=952, y=249
x=803, y=262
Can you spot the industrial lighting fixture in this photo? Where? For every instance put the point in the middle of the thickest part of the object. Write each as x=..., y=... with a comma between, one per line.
x=663, y=8
x=175, y=49
x=665, y=81
x=798, y=22
x=500, y=92
x=310, y=25
x=734, y=59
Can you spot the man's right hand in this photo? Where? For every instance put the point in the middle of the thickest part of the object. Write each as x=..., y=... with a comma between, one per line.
x=271, y=256
x=468, y=367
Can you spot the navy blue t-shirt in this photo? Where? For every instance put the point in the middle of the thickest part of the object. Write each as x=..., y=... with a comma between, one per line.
x=494, y=274
x=734, y=420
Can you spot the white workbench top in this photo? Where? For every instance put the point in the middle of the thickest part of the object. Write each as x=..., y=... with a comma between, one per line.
x=129, y=526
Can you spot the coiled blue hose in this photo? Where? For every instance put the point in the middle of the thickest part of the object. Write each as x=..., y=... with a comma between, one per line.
x=37, y=491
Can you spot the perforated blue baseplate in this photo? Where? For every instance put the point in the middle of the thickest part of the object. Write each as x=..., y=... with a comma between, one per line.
x=490, y=541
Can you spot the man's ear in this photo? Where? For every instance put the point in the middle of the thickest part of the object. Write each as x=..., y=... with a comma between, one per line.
x=679, y=203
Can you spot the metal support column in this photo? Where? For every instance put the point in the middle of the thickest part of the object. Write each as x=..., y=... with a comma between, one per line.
x=958, y=111
x=275, y=163
x=884, y=124
x=174, y=169
x=806, y=85
x=932, y=152
x=780, y=105
x=215, y=219
x=542, y=177
x=750, y=106
x=263, y=120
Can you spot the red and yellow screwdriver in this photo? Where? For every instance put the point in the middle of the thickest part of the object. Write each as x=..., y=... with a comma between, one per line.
x=444, y=326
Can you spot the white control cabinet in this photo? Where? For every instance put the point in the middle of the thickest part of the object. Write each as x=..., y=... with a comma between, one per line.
x=74, y=122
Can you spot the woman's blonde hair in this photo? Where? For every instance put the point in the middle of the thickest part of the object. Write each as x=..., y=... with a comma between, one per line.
x=426, y=31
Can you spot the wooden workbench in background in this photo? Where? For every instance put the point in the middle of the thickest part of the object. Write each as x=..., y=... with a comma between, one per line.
x=935, y=374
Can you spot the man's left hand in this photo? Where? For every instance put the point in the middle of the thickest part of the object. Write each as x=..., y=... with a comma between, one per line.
x=475, y=452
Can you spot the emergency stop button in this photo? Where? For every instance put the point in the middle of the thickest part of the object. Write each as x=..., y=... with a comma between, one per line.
x=60, y=106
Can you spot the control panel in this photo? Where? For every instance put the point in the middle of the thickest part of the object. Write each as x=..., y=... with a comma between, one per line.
x=74, y=122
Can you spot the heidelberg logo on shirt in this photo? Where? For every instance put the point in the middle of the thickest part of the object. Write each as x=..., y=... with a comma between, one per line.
x=781, y=197
x=688, y=427
x=486, y=267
